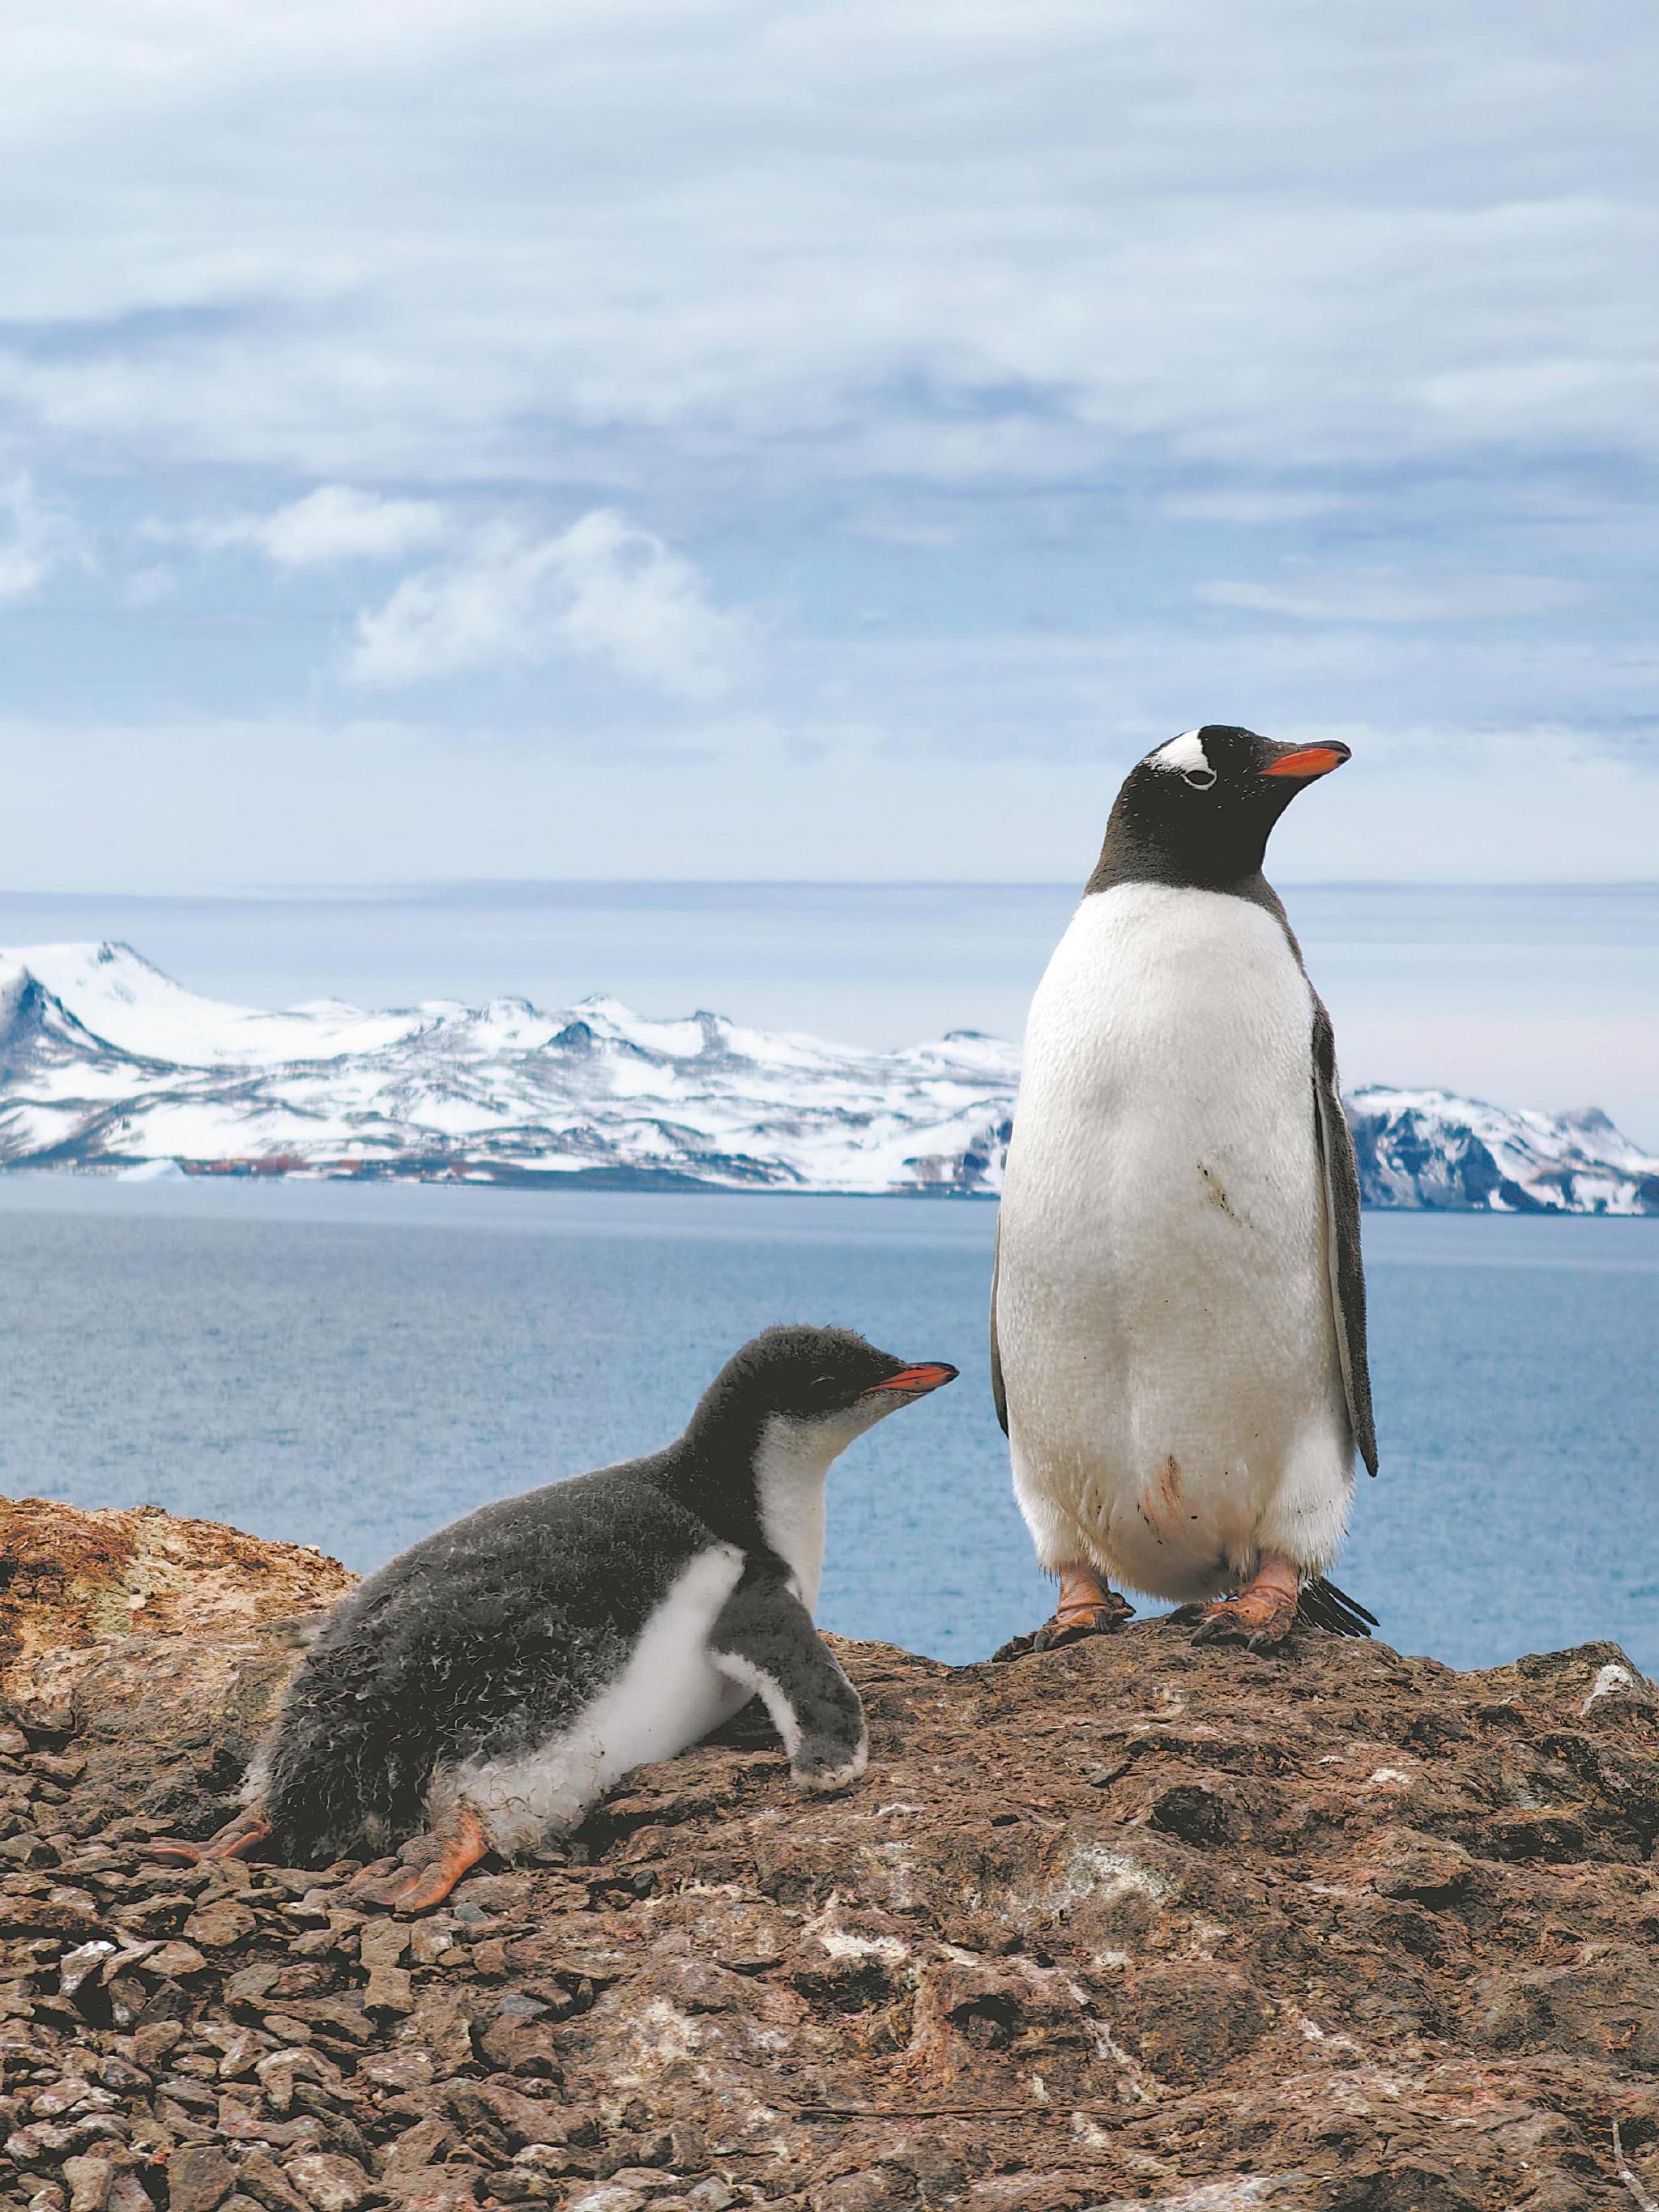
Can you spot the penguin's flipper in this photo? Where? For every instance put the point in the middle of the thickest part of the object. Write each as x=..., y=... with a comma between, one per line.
x=999, y=1389
x=1341, y=1173
x=765, y=1639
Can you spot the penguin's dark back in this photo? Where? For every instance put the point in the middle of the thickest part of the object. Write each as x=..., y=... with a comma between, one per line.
x=497, y=1630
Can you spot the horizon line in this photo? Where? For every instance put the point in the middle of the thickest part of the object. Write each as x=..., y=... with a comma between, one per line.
x=440, y=887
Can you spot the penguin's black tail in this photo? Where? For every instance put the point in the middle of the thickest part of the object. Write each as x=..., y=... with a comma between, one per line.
x=1327, y=1607
x=349, y=1760
x=322, y=1805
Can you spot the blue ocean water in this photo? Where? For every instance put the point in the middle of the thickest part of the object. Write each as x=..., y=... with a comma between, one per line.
x=352, y=1366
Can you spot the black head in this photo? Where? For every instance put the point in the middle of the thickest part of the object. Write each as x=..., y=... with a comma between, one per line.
x=829, y=1377
x=1199, y=810
x=753, y=1461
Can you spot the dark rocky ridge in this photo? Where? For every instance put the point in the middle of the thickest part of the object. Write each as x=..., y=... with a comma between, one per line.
x=1128, y=1924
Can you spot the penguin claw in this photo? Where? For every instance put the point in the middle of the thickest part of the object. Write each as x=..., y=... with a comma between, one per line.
x=1258, y=1620
x=1071, y=1627
x=430, y=1884
x=238, y=1839
x=1068, y=1627
x=421, y=1892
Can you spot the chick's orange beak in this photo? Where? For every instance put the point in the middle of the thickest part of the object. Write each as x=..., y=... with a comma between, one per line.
x=1308, y=761
x=913, y=1382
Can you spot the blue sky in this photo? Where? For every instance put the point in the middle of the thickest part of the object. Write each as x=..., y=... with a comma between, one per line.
x=694, y=438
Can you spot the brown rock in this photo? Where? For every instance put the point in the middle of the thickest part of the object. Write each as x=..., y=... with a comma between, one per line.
x=58, y=1766
x=252, y=1986
x=1430, y=1871
x=280, y=2070
x=1189, y=2022
x=173, y=1962
x=162, y=1642
x=343, y=2018
x=73, y=1578
x=1606, y=2008
x=521, y=2040
x=326, y=2181
x=397, y=2071
x=425, y=2144
x=261, y=2179
x=220, y=1924
x=91, y=2181
x=382, y=1943
x=199, y=2178
x=389, y=1990
x=441, y=2025
x=152, y=2042
x=523, y=2119
x=239, y=2049
x=429, y=1941
x=437, y=2188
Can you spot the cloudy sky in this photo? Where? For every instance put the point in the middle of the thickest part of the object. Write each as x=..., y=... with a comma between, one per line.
x=708, y=439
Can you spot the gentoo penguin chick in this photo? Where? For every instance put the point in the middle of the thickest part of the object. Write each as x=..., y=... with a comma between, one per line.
x=1177, y=1308
x=492, y=1682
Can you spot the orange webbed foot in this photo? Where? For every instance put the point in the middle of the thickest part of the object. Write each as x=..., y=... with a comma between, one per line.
x=1259, y=1616
x=430, y=1884
x=238, y=1839
x=1086, y=1608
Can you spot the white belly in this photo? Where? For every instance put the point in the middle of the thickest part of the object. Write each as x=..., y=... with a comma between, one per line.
x=667, y=1698
x=1164, y=1317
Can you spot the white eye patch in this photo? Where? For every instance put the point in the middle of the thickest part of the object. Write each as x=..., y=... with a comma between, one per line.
x=1184, y=756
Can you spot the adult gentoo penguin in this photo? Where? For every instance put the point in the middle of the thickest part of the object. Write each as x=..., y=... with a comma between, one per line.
x=494, y=1682
x=1178, y=1307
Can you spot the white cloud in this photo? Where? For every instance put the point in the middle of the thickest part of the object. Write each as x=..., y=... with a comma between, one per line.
x=603, y=589
x=35, y=538
x=334, y=523
x=1392, y=595
x=649, y=234
x=1051, y=330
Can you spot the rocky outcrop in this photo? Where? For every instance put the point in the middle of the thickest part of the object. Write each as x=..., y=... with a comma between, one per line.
x=72, y=1581
x=1132, y=1924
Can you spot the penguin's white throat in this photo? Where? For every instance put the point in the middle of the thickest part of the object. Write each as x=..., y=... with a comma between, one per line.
x=791, y=1464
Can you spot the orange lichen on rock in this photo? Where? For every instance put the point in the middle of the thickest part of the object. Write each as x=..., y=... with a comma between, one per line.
x=72, y=1580
x=69, y=1575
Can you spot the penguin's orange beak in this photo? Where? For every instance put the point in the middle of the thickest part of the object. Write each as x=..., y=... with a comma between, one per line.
x=1307, y=761
x=916, y=1382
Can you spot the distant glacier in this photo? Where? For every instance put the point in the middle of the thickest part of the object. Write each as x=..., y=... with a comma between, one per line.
x=108, y=1065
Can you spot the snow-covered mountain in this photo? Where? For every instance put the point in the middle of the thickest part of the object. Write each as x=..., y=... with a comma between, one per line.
x=107, y=1063
x=1430, y=1149
x=104, y=1062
